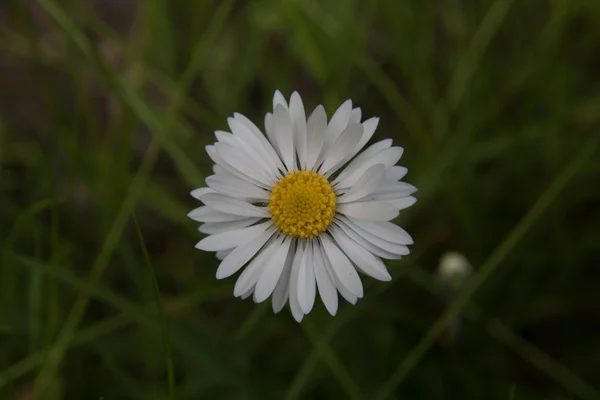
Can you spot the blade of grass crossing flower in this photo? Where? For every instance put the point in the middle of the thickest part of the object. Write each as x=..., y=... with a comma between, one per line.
x=488, y=267
x=161, y=311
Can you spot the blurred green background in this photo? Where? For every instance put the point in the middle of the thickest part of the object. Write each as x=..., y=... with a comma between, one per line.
x=106, y=106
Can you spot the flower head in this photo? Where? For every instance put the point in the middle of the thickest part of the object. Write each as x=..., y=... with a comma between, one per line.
x=300, y=208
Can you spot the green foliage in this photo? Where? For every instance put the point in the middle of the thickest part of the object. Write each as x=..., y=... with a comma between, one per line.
x=106, y=109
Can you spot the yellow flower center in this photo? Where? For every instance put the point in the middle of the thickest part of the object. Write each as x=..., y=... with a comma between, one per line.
x=302, y=204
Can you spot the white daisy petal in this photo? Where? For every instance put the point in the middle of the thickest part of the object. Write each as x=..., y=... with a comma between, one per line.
x=284, y=136
x=345, y=293
x=260, y=148
x=386, y=230
x=230, y=205
x=247, y=294
x=395, y=173
x=279, y=99
x=366, y=184
x=306, y=282
x=272, y=271
x=365, y=155
x=281, y=292
x=369, y=210
x=342, y=267
x=363, y=259
x=197, y=193
x=244, y=163
x=207, y=214
x=369, y=127
x=242, y=254
x=316, y=125
x=218, y=159
x=326, y=287
x=402, y=203
x=236, y=187
x=355, y=115
x=387, y=157
x=376, y=245
x=252, y=272
x=221, y=254
x=345, y=143
x=227, y=240
x=293, y=287
x=337, y=124
x=393, y=191
x=300, y=129
x=212, y=228
x=367, y=241
x=272, y=154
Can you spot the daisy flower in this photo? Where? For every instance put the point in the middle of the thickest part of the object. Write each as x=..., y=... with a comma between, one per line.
x=301, y=209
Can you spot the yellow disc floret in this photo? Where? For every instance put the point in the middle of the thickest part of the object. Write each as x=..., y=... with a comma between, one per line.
x=302, y=204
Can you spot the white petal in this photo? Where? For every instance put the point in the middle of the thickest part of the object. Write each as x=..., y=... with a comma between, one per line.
x=281, y=292
x=369, y=127
x=221, y=254
x=245, y=164
x=293, y=287
x=387, y=157
x=386, y=230
x=395, y=173
x=350, y=298
x=228, y=240
x=316, y=125
x=261, y=138
x=376, y=245
x=300, y=129
x=402, y=203
x=306, y=282
x=327, y=289
x=342, y=267
x=247, y=294
x=337, y=124
x=393, y=191
x=218, y=159
x=365, y=155
x=362, y=258
x=270, y=129
x=207, y=214
x=369, y=210
x=219, y=227
x=197, y=193
x=272, y=271
x=284, y=137
x=341, y=148
x=355, y=115
x=252, y=272
x=236, y=187
x=230, y=205
x=242, y=254
x=260, y=147
x=279, y=99
x=252, y=151
x=367, y=183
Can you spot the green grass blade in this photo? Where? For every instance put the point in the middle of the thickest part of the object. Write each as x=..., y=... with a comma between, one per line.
x=161, y=311
x=487, y=269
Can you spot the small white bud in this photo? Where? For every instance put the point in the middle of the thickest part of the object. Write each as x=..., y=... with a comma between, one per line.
x=454, y=269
